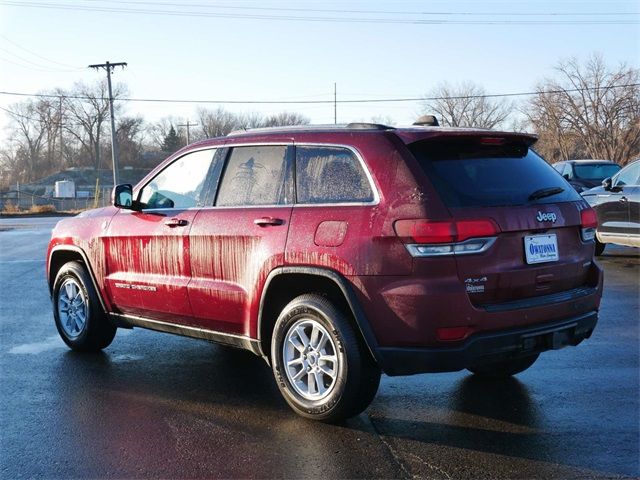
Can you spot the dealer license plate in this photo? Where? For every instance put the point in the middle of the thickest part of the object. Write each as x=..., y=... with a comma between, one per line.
x=541, y=248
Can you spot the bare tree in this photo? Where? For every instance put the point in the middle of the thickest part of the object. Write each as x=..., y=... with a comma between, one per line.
x=250, y=120
x=590, y=110
x=465, y=105
x=159, y=130
x=285, y=119
x=11, y=167
x=89, y=112
x=130, y=133
x=216, y=123
x=28, y=136
x=220, y=122
x=383, y=120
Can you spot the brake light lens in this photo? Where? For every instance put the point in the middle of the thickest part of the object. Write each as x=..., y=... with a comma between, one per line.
x=589, y=222
x=425, y=231
x=588, y=218
x=425, y=238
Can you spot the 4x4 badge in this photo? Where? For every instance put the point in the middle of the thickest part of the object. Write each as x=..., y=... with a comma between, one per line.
x=546, y=217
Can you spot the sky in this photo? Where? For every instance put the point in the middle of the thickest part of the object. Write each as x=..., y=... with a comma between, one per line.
x=277, y=50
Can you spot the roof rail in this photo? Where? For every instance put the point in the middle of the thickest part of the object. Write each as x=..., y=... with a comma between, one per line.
x=298, y=128
x=368, y=126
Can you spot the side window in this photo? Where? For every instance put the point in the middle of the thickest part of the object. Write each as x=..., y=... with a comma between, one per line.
x=629, y=175
x=568, y=171
x=255, y=175
x=330, y=175
x=180, y=185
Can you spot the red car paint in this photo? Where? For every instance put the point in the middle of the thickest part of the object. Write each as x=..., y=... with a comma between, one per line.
x=206, y=268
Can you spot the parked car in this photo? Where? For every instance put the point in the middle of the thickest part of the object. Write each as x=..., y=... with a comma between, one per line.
x=337, y=253
x=586, y=174
x=617, y=206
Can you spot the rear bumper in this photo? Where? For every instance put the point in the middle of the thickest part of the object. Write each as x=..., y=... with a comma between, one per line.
x=488, y=347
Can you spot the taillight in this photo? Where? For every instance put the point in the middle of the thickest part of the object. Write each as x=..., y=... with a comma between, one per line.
x=588, y=223
x=429, y=238
x=588, y=218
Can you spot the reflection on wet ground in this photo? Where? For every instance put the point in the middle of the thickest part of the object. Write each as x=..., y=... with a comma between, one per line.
x=156, y=405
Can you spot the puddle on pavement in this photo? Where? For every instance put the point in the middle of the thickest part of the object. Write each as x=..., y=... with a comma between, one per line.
x=50, y=343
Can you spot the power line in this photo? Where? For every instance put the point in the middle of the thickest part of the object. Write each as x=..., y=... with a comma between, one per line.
x=40, y=120
x=74, y=68
x=20, y=115
x=360, y=11
x=328, y=101
x=415, y=21
x=36, y=66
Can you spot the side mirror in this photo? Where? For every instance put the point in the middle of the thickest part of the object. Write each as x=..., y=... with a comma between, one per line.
x=123, y=196
x=606, y=183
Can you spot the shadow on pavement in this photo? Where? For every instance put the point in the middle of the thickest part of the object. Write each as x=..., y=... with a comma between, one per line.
x=497, y=417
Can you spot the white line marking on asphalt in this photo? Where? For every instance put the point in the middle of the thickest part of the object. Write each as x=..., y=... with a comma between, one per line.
x=50, y=343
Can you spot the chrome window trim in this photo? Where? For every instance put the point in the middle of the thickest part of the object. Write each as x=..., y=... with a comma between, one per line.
x=372, y=184
x=365, y=168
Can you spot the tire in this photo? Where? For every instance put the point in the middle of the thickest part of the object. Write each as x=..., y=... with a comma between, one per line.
x=86, y=328
x=504, y=368
x=599, y=248
x=332, y=345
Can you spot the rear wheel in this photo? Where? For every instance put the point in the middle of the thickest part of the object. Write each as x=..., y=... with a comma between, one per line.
x=79, y=318
x=505, y=368
x=323, y=369
x=599, y=248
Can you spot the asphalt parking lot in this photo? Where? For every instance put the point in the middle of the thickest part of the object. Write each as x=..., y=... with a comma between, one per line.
x=156, y=405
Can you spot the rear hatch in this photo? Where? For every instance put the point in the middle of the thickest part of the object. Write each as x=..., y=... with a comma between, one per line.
x=538, y=217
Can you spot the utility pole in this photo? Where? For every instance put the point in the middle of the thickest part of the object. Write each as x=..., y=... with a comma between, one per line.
x=60, y=131
x=188, y=125
x=335, y=103
x=114, y=141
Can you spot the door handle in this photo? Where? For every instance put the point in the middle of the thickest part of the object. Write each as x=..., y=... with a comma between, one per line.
x=176, y=222
x=264, y=221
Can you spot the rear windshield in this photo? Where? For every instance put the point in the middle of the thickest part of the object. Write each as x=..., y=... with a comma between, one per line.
x=595, y=171
x=467, y=173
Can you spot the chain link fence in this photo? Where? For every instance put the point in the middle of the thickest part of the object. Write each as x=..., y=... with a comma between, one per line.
x=14, y=201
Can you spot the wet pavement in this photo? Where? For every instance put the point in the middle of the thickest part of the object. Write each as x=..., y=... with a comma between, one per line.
x=157, y=405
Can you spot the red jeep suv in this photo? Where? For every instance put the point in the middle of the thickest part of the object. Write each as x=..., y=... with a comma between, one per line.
x=337, y=253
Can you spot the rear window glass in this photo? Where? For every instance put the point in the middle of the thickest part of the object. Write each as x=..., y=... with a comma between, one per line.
x=595, y=172
x=466, y=173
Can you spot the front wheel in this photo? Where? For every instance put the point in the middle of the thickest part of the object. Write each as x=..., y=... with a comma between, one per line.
x=79, y=318
x=505, y=368
x=599, y=248
x=323, y=369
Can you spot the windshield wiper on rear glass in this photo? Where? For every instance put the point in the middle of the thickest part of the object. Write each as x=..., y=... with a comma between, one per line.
x=545, y=192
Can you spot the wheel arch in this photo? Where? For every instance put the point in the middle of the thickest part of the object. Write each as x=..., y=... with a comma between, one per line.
x=285, y=283
x=62, y=254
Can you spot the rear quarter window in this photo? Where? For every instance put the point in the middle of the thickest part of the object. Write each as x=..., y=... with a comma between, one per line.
x=468, y=174
x=330, y=175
